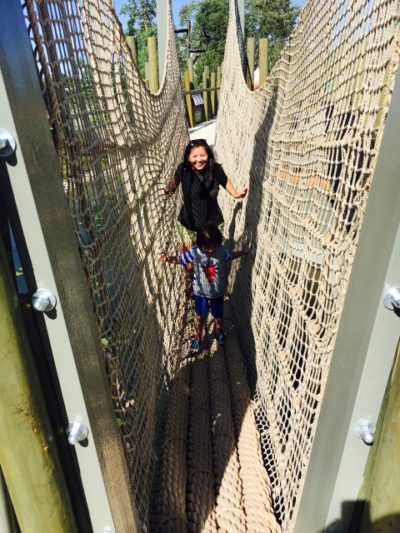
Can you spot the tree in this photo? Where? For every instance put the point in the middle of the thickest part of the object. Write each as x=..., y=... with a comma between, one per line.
x=141, y=15
x=274, y=19
x=141, y=25
x=209, y=24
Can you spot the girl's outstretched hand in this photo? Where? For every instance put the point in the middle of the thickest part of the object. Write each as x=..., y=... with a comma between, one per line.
x=163, y=256
x=242, y=193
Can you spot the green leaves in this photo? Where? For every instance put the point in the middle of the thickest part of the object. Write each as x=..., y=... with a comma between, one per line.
x=209, y=24
x=141, y=15
x=264, y=18
x=274, y=19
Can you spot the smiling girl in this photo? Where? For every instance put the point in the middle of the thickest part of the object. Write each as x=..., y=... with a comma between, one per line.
x=200, y=177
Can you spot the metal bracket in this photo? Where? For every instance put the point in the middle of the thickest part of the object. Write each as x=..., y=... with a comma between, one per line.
x=8, y=144
x=77, y=432
x=364, y=429
x=391, y=299
x=44, y=300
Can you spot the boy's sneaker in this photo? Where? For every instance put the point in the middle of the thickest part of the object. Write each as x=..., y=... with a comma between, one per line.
x=219, y=337
x=195, y=346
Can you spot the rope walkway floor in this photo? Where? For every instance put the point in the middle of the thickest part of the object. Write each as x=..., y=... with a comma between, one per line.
x=205, y=130
x=210, y=476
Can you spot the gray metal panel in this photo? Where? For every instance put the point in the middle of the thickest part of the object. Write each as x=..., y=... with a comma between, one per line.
x=364, y=350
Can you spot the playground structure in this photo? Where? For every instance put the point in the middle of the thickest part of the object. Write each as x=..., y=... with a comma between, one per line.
x=307, y=145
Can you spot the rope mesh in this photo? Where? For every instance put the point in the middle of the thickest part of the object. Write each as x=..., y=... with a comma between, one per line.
x=306, y=144
x=118, y=145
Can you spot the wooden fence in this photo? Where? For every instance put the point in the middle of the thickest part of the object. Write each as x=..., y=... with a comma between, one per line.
x=201, y=103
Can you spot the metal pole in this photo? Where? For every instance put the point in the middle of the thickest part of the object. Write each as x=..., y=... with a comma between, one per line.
x=240, y=8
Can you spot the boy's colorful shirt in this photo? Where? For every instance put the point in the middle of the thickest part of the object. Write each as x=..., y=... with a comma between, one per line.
x=210, y=270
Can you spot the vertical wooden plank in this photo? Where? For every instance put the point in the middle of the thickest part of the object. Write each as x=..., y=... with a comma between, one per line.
x=206, y=76
x=191, y=71
x=382, y=473
x=188, y=98
x=263, y=60
x=251, y=59
x=131, y=41
x=213, y=94
x=28, y=456
x=219, y=79
x=147, y=74
x=153, y=64
x=7, y=520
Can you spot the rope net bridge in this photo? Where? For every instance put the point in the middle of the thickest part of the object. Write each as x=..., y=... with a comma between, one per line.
x=206, y=449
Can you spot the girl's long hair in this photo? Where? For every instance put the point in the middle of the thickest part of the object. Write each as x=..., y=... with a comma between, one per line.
x=208, y=172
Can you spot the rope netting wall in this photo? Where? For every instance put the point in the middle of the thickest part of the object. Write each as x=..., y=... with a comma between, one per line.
x=118, y=146
x=306, y=143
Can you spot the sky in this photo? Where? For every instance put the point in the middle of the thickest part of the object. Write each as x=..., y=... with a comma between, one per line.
x=176, y=5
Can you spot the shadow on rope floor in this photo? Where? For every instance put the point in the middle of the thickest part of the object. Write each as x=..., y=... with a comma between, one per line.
x=210, y=475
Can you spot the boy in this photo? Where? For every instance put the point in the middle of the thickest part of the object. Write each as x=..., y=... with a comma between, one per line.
x=210, y=261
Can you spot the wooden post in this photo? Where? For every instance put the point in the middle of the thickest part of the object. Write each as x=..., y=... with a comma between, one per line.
x=263, y=60
x=8, y=523
x=131, y=41
x=213, y=95
x=147, y=74
x=250, y=59
x=153, y=64
x=28, y=455
x=206, y=76
x=191, y=71
x=381, y=475
x=219, y=78
x=188, y=98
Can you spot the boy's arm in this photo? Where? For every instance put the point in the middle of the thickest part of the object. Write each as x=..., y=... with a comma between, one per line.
x=169, y=191
x=169, y=258
x=185, y=258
